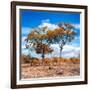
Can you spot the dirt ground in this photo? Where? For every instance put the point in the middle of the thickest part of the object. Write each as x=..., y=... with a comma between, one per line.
x=63, y=69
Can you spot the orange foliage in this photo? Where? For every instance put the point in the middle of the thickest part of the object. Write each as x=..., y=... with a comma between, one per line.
x=41, y=47
x=35, y=61
x=46, y=61
x=25, y=59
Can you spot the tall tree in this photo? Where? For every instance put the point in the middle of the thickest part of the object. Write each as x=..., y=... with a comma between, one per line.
x=38, y=38
x=66, y=36
x=61, y=35
x=43, y=49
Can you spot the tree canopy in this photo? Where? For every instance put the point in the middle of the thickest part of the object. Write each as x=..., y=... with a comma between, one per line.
x=42, y=38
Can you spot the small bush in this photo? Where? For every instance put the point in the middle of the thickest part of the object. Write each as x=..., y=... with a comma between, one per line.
x=25, y=59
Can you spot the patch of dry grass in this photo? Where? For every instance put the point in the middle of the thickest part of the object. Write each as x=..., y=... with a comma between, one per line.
x=50, y=67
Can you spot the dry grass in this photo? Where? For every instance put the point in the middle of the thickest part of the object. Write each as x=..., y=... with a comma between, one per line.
x=50, y=67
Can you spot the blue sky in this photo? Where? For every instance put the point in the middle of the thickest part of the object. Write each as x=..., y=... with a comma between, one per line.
x=31, y=19
x=34, y=18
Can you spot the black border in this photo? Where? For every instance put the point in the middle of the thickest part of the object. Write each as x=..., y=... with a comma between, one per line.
x=13, y=44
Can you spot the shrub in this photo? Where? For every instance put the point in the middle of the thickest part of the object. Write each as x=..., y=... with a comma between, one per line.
x=25, y=59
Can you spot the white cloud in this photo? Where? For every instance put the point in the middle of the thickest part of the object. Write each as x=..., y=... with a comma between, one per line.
x=25, y=51
x=48, y=24
x=71, y=51
x=52, y=26
x=25, y=30
x=23, y=46
x=46, y=20
x=71, y=47
x=23, y=39
x=68, y=51
x=77, y=26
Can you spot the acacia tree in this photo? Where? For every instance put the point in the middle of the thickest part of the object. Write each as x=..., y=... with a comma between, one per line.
x=38, y=39
x=67, y=36
x=43, y=49
x=62, y=35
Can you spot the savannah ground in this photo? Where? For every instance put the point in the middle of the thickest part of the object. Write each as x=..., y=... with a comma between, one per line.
x=49, y=67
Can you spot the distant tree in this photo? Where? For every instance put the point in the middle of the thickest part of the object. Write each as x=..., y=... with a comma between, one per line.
x=62, y=35
x=66, y=36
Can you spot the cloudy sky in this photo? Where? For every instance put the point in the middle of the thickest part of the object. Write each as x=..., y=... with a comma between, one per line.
x=31, y=19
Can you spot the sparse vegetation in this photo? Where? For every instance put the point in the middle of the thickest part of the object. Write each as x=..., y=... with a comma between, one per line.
x=40, y=40
x=49, y=67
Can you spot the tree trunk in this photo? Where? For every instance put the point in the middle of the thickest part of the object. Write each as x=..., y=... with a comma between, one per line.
x=43, y=54
x=60, y=53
